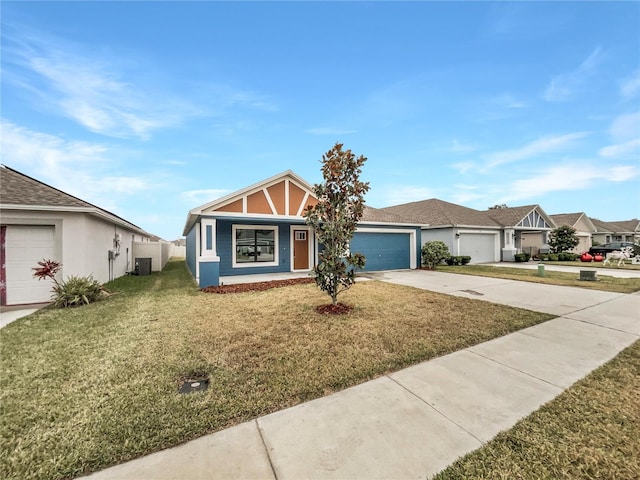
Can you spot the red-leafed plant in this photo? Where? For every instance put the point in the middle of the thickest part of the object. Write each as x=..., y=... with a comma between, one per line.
x=74, y=291
x=47, y=269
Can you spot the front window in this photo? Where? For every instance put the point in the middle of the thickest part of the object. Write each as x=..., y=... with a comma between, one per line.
x=255, y=245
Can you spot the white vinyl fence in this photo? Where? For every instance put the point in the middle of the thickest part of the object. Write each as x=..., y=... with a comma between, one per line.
x=159, y=253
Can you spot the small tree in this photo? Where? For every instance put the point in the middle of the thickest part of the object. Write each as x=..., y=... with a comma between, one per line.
x=433, y=253
x=335, y=218
x=563, y=239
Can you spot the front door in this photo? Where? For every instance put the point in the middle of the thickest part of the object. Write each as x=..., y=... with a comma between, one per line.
x=300, y=249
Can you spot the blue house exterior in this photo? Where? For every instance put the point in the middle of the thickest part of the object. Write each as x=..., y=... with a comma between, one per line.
x=261, y=229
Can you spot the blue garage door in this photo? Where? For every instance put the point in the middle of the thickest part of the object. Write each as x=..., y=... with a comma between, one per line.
x=384, y=251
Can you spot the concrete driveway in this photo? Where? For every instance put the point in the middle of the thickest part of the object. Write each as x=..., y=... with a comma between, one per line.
x=415, y=422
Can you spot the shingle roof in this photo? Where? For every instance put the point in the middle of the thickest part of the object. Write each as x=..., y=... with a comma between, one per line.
x=616, y=227
x=632, y=225
x=511, y=216
x=377, y=215
x=566, y=218
x=19, y=189
x=438, y=212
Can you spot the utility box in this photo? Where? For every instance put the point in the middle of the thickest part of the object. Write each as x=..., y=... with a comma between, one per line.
x=142, y=266
x=589, y=275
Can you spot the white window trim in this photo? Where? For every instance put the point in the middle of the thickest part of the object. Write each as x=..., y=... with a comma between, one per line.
x=206, y=253
x=276, y=260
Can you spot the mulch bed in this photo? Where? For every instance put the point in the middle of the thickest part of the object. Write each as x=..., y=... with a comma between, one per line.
x=256, y=286
x=337, y=309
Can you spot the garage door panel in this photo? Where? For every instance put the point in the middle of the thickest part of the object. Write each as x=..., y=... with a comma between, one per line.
x=480, y=247
x=25, y=246
x=383, y=251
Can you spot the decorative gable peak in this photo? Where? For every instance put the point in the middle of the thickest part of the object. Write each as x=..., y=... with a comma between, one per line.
x=285, y=194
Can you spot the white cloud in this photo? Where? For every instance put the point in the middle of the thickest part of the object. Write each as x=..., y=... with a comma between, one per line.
x=568, y=177
x=629, y=87
x=625, y=149
x=79, y=168
x=464, y=167
x=459, y=147
x=538, y=147
x=625, y=127
x=200, y=197
x=566, y=86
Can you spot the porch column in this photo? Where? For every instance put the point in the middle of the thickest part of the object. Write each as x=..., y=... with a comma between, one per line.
x=509, y=249
x=208, y=260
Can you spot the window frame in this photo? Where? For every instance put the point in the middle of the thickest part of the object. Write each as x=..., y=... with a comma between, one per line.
x=254, y=264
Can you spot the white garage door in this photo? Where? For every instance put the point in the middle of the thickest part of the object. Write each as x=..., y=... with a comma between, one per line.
x=25, y=246
x=481, y=247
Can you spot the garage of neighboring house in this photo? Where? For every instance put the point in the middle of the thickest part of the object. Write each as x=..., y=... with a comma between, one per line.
x=24, y=246
x=481, y=247
x=383, y=250
x=40, y=222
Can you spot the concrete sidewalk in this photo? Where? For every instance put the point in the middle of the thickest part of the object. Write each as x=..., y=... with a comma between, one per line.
x=415, y=422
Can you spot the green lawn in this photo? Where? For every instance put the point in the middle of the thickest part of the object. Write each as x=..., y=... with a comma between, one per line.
x=605, y=282
x=591, y=431
x=86, y=388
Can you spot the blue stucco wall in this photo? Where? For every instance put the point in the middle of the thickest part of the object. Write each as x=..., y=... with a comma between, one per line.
x=224, y=241
x=191, y=255
x=209, y=274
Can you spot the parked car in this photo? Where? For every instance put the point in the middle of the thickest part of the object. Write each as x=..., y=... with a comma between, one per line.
x=610, y=247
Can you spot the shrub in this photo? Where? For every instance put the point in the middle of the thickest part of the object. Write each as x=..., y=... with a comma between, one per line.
x=465, y=259
x=520, y=257
x=76, y=291
x=434, y=253
x=553, y=257
x=454, y=260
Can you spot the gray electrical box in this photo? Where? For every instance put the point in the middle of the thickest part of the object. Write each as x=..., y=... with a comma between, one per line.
x=143, y=266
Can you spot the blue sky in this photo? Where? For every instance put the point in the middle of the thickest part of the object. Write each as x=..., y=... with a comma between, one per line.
x=149, y=109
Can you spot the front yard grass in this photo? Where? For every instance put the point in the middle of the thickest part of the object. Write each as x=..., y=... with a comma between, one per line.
x=590, y=431
x=90, y=387
x=568, y=279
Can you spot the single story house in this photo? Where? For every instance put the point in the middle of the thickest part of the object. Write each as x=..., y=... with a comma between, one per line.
x=620, y=231
x=261, y=229
x=39, y=222
x=485, y=235
x=585, y=229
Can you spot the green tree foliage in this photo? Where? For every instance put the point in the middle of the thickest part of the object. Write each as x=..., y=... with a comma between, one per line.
x=434, y=253
x=562, y=239
x=335, y=217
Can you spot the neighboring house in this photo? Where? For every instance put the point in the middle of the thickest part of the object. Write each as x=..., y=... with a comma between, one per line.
x=585, y=228
x=486, y=236
x=261, y=229
x=39, y=222
x=622, y=231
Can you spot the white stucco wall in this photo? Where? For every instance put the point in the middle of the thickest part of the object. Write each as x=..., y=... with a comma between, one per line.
x=82, y=242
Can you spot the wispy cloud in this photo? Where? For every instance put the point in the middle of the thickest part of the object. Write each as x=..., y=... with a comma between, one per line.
x=460, y=147
x=582, y=176
x=622, y=150
x=625, y=127
x=79, y=168
x=538, y=147
x=629, y=87
x=465, y=167
x=566, y=86
x=330, y=131
x=202, y=196
x=113, y=94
